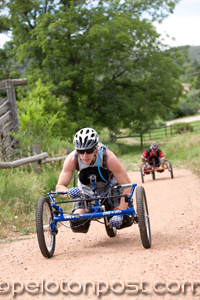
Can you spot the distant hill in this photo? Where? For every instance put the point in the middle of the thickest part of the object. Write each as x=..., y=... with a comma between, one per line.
x=194, y=52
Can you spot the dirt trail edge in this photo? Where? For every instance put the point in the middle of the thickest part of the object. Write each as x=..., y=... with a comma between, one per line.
x=94, y=266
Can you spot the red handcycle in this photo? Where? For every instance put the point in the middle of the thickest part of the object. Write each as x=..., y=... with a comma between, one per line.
x=154, y=168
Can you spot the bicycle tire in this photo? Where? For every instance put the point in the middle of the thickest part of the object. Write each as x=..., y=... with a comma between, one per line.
x=141, y=172
x=153, y=175
x=143, y=217
x=44, y=217
x=171, y=169
x=111, y=231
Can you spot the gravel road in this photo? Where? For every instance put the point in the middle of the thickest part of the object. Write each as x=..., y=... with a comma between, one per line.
x=185, y=120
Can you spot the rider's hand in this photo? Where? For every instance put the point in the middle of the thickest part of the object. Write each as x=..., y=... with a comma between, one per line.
x=116, y=221
x=148, y=166
x=74, y=192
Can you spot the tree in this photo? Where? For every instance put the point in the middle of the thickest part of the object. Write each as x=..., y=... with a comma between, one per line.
x=104, y=60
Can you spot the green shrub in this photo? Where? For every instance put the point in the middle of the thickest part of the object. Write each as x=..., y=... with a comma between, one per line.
x=179, y=128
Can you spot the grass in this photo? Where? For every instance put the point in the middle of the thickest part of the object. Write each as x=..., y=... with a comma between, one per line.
x=21, y=188
x=8, y=241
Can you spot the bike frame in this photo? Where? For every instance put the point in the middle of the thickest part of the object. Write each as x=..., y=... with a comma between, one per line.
x=97, y=211
x=154, y=168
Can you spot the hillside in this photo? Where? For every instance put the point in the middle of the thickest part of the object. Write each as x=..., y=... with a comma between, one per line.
x=194, y=52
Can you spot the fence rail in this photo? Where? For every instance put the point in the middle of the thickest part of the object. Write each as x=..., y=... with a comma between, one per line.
x=40, y=158
x=163, y=132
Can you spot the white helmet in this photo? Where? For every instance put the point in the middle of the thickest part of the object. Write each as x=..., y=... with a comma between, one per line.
x=85, y=138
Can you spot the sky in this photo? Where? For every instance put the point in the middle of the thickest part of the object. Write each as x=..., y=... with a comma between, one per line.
x=183, y=25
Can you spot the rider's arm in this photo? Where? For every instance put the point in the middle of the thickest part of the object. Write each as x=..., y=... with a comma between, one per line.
x=120, y=175
x=144, y=158
x=66, y=173
x=162, y=159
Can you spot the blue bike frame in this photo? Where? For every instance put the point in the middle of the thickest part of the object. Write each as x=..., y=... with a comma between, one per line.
x=97, y=211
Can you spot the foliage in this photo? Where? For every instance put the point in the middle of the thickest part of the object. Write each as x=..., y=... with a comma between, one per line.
x=190, y=104
x=17, y=205
x=41, y=117
x=194, y=53
x=159, y=123
x=18, y=201
x=187, y=105
x=182, y=127
x=35, y=126
x=104, y=60
x=184, y=151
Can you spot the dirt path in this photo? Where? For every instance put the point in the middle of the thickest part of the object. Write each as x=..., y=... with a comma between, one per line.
x=174, y=208
x=185, y=120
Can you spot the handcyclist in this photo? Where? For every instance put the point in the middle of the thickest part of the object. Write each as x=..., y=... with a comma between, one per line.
x=91, y=157
x=153, y=156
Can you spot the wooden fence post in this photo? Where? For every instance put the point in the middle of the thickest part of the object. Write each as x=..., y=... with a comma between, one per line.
x=141, y=140
x=150, y=134
x=37, y=165
x=12, y=101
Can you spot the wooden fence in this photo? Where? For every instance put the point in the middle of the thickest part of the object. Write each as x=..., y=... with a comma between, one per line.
x=8, y=109
x=8, y=113
x=39, y=159
x=162, y=133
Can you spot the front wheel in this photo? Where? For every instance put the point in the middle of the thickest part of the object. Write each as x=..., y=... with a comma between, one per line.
x=143, y=217
x=44, y=218
x=171, y=169
x=142, y=175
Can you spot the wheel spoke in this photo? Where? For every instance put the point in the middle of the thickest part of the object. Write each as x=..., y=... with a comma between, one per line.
x=44, y=218
x=143, y=217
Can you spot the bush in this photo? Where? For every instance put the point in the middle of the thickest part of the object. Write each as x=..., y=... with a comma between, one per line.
x=182, y=128
x=159, y=123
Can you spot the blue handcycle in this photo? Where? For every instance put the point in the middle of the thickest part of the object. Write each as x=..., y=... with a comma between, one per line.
x=49, y=214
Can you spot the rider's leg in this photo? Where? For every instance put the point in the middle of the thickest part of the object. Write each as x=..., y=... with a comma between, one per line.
x=158, y=165
x=79, y=226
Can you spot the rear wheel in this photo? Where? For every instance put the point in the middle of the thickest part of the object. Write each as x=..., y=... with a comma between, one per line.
x=171, y=169
x=111, y=231
x=143, y=217
x=44, y=218
x=153, y=175
x=141, y=172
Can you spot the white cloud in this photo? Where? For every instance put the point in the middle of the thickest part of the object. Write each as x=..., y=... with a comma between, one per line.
x=3, y=38
x=183, y=25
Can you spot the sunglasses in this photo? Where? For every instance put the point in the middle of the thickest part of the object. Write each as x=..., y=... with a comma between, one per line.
x=88, y=151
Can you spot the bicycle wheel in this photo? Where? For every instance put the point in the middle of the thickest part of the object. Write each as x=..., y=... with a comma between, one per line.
x=143, y=217
x=44, y=217
x=171, y=169
x=153, y=175
x=111, y=231
x=141, y=172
